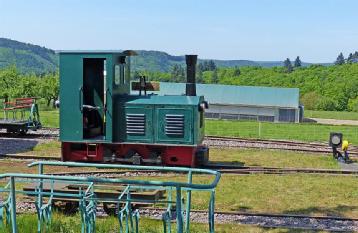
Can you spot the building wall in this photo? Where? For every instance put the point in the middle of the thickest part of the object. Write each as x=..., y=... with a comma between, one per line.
x=234, y=112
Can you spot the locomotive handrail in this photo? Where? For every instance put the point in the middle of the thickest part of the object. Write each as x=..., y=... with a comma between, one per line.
x=189, y=185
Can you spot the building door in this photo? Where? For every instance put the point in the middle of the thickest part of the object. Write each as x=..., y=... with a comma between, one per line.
x=287, y=115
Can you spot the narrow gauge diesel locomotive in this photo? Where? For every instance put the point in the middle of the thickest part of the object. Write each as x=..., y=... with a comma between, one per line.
x=100, y=121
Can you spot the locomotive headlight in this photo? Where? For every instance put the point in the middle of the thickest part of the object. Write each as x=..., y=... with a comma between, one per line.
x=335, y=139
x=203, y=105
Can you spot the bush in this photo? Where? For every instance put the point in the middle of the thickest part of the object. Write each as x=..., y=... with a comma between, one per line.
x=325, y=104
x=353, y=105
x=310, y=100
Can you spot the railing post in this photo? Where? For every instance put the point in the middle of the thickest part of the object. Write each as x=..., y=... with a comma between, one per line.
x=13, y=204
x=40, y=198
x=178, y=210
x=167, y=224
x=212, y=212
x=188, y=204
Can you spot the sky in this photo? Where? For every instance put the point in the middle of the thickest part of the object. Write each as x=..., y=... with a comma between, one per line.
x=261, y=30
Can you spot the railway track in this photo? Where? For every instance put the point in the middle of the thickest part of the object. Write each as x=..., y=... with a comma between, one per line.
x=239, y=170
x=43, y=133
x=216, y=141
x=29, y=157
x=265, y=220
x=223, y=168
x=271, y=220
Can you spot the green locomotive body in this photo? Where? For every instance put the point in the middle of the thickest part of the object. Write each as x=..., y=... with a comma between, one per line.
x=100, y=121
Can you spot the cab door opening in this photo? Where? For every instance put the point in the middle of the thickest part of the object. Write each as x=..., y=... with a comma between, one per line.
x=94, y=102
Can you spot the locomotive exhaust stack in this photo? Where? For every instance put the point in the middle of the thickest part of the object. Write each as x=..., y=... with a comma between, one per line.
x=190, y=74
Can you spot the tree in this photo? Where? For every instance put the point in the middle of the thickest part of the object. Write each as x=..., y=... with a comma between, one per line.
x=9, y=81
x=237, y=71
x=137, y=74
x=214, y=77
x=340, y=59
x=288, y=65
x=200, y=67
x=178, y=73
x=207, y=65
x=298, y=62
x=49, y=87
x=199, y=74
x=181, y=76
x=310, y=99
x=211, y=65
x=350, y=58
x=326, y=104
x=27, y=86
x=353, y=105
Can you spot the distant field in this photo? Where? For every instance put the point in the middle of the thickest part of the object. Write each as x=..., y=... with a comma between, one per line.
x=331, y=115
x=266, y=130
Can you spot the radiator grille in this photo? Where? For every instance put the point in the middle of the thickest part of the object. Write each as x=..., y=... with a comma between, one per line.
x=174, y=125
x=135, y=124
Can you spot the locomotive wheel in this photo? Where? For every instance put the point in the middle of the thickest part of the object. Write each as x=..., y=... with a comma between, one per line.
x=110, y=209
x=66, y=207
x=22, y=131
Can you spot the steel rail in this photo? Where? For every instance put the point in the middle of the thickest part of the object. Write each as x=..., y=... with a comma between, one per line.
x=290, y=145
x=240, y=170
x=274, y=215
x=339, y=218
x=200, y=171
x=30, y=157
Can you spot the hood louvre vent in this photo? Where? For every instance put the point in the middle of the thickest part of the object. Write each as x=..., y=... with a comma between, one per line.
x=174, y=125
x=135, y=124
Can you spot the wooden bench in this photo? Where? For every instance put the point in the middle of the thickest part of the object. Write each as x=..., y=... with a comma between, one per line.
x=19, y=103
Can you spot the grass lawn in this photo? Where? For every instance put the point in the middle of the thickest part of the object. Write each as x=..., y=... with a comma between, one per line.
x=288, y=194
x=331, y=115
x=272, y=158
x=52, y=148
x=295, y=194
x=246, y=157
x=50, y=118
x=69, y=224
x=266, y=130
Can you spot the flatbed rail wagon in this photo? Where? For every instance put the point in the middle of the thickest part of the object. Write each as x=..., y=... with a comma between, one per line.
x=20, y=115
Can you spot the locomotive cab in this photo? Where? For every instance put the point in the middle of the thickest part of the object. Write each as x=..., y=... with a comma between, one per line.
x=101, y=121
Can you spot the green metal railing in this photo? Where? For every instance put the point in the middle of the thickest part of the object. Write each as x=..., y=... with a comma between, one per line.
x=127, y=217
